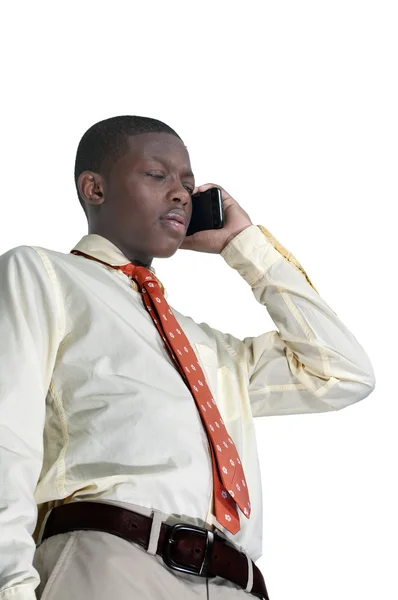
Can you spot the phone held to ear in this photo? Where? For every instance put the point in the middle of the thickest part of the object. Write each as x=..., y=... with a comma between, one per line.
x=207, y=211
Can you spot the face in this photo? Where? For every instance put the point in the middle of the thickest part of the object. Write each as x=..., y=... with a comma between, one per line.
x=151, y=179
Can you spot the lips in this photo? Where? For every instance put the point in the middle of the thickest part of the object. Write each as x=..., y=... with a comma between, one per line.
x=173, y=225
x=176, y=217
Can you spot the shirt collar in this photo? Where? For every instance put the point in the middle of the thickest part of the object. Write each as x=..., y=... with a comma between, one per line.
x=100, y=247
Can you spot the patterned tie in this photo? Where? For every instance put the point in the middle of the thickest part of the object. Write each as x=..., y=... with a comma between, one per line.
x=230, y=489
x=229, y=482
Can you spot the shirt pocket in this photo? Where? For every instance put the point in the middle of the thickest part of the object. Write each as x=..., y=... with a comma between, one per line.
x=227, y=384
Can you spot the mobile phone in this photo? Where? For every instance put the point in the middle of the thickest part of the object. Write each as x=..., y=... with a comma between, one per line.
x=207, y=211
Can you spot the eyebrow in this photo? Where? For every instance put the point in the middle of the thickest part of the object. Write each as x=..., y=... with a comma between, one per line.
x=187, y=173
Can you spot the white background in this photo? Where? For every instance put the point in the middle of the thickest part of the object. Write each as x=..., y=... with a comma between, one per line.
x=292, y=107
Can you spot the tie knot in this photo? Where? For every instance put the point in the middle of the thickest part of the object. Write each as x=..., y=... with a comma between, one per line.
x=140, y=274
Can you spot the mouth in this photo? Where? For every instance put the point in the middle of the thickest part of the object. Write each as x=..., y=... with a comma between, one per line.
x=174, y=224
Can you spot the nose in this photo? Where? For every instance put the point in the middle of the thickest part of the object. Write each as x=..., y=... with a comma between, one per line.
x=178, y=192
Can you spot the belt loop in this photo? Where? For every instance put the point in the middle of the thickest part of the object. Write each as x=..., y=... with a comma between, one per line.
x=157, y=520
x=249, y=585
x=42, y=527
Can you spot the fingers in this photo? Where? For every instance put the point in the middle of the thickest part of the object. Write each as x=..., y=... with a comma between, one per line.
x=207, y=186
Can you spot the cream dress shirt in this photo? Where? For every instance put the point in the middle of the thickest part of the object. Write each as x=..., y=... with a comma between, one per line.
x=93, y=408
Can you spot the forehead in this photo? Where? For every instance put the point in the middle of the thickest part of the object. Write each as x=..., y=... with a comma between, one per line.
x=163, y=146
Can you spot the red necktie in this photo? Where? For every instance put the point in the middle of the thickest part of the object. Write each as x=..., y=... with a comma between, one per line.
x=229, y=482
x=230, y=489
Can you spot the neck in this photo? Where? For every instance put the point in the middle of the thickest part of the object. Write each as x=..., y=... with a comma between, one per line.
x=140, y=261
x=140, y=264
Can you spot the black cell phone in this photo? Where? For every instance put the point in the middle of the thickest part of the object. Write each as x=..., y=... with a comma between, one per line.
x=207, y=211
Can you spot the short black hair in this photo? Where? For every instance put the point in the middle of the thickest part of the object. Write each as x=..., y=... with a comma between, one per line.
x=107, y=141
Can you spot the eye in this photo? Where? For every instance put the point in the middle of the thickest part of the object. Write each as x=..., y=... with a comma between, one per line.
x=189, y=188
x=156, y=175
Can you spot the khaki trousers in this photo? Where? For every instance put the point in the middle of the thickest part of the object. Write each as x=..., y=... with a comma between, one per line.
x=93, y=565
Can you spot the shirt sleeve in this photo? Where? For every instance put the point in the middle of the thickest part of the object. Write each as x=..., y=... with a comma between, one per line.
x=29, y=340
x=313, y=363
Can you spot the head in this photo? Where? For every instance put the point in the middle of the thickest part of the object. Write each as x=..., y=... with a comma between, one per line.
x=129, y=173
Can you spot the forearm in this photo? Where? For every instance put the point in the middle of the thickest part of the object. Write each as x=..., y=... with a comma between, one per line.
x=313, y=362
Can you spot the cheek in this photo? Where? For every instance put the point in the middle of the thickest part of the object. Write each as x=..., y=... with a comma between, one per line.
x=136, y=201
x=124, y=184
x=139, y=206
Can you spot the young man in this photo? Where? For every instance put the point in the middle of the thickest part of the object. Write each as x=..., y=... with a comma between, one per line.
x=111, y=402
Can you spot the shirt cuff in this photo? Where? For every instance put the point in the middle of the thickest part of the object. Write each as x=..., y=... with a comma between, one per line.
x=251, y=254
x=254, y=250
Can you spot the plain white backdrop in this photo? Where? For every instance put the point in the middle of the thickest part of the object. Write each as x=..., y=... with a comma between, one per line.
x=292, y=108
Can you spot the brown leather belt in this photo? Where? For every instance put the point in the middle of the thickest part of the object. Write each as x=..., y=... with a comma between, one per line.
x=183, y=547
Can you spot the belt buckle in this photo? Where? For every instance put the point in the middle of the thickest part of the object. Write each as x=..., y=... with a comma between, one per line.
x=200, y=571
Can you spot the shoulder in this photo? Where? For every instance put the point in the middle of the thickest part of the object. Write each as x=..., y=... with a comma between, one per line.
x=29, y=261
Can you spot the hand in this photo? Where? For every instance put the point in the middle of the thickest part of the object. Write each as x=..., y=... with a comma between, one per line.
x=215, y=240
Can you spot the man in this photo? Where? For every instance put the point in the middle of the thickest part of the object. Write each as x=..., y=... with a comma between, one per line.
x=106, y=419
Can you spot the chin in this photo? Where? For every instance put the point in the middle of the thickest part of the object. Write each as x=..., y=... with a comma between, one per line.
x=165, y=252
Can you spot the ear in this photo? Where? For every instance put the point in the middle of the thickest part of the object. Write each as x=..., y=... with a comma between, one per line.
x=91, y=187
